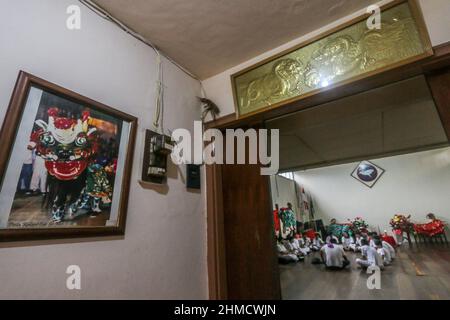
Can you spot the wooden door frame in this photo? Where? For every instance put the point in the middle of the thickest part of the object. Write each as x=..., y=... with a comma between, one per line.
x=436, y=69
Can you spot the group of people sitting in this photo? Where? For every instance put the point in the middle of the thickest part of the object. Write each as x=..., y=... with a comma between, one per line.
x=374, y=250
x=296, y=248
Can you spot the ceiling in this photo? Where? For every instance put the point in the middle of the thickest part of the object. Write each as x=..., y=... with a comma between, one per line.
x=397, y=118
x=210, y=36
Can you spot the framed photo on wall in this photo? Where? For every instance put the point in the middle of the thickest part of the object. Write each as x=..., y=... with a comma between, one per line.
x=367, y=173
x=65, y=164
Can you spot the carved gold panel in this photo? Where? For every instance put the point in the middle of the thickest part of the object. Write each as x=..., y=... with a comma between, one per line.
x=350, y=53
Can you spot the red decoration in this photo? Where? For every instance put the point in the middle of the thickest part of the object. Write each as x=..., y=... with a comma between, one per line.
x=64, y=123
x=389, y=239
x=85, y=115
x=53, y=112
x=68, y=170
x=401, y=222
x=276, y=220
x=310, y=233
x=430, y=229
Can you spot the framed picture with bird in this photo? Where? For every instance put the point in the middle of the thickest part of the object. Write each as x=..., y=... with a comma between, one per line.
x=368, y=173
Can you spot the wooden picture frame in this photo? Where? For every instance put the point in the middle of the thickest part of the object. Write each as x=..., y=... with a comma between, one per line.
x=82, y=146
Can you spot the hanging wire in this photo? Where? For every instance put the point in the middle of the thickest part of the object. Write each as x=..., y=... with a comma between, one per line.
x=158, y=120
x=107, y=16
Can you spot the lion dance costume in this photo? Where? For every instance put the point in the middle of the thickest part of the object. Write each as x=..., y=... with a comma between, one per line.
x=68, y=147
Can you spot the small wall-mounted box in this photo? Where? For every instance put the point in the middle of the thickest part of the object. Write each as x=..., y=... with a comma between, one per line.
x=156, y=150
x=193, y=176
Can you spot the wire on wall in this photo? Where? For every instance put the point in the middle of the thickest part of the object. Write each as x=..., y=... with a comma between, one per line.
x=107, y=16
x=158, y=120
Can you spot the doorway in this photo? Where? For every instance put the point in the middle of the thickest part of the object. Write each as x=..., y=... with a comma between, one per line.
x=221, y=234
x=348, y=167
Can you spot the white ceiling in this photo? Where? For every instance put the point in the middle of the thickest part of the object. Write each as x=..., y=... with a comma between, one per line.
x=391, y=119
x=209, y=36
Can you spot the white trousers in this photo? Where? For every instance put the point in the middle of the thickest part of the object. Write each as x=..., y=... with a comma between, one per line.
x=39, y=178
x=365, y=263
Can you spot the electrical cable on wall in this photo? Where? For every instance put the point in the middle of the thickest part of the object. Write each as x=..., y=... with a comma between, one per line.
x=158, y=119
x=107, y=16
x=209, y=106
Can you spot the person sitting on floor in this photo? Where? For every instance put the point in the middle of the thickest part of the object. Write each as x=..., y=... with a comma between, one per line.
x=301, y=245
x=383, y=252
x=389, y=248
x=356, y=245
x=294, y=246
x=333, y=256
x=347, y=241
x=370, y=256
x=317, y=242
x=372, y=237
x=297, y=239
x=331, y=236
x=284, y=256
x=288, y=245
x=389, y=239
x=307, y=241
x=305, y=249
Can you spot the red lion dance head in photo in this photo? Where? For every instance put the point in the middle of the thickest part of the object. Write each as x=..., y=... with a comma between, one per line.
x=66, y=144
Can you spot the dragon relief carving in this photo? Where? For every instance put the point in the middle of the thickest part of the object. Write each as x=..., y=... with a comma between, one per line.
x=285, y=79
x=339, y=57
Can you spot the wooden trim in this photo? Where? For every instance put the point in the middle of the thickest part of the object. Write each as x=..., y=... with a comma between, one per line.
x=8, y=133
x=420, y=22
x=439, y=84
x=221, y=121
x=13, y=113
x=216, y=241
x=440, y=59
x=373, y=156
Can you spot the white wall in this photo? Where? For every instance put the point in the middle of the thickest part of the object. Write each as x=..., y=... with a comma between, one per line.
x=163, y=254
x=415, y=184
x=283, y=191
x=218, y=88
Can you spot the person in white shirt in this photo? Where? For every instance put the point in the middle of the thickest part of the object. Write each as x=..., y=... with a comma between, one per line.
x=284, y=255
x=331, y=236
x=370, y=256
x=383, y=252
x=39, y=177
x=299, y=244
x=390, y=248
x=333, y=255
x=347, y=241
x=304, y=249
x=307, y=242
x=317, y=243
x=294, y=246
x=356, y=245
